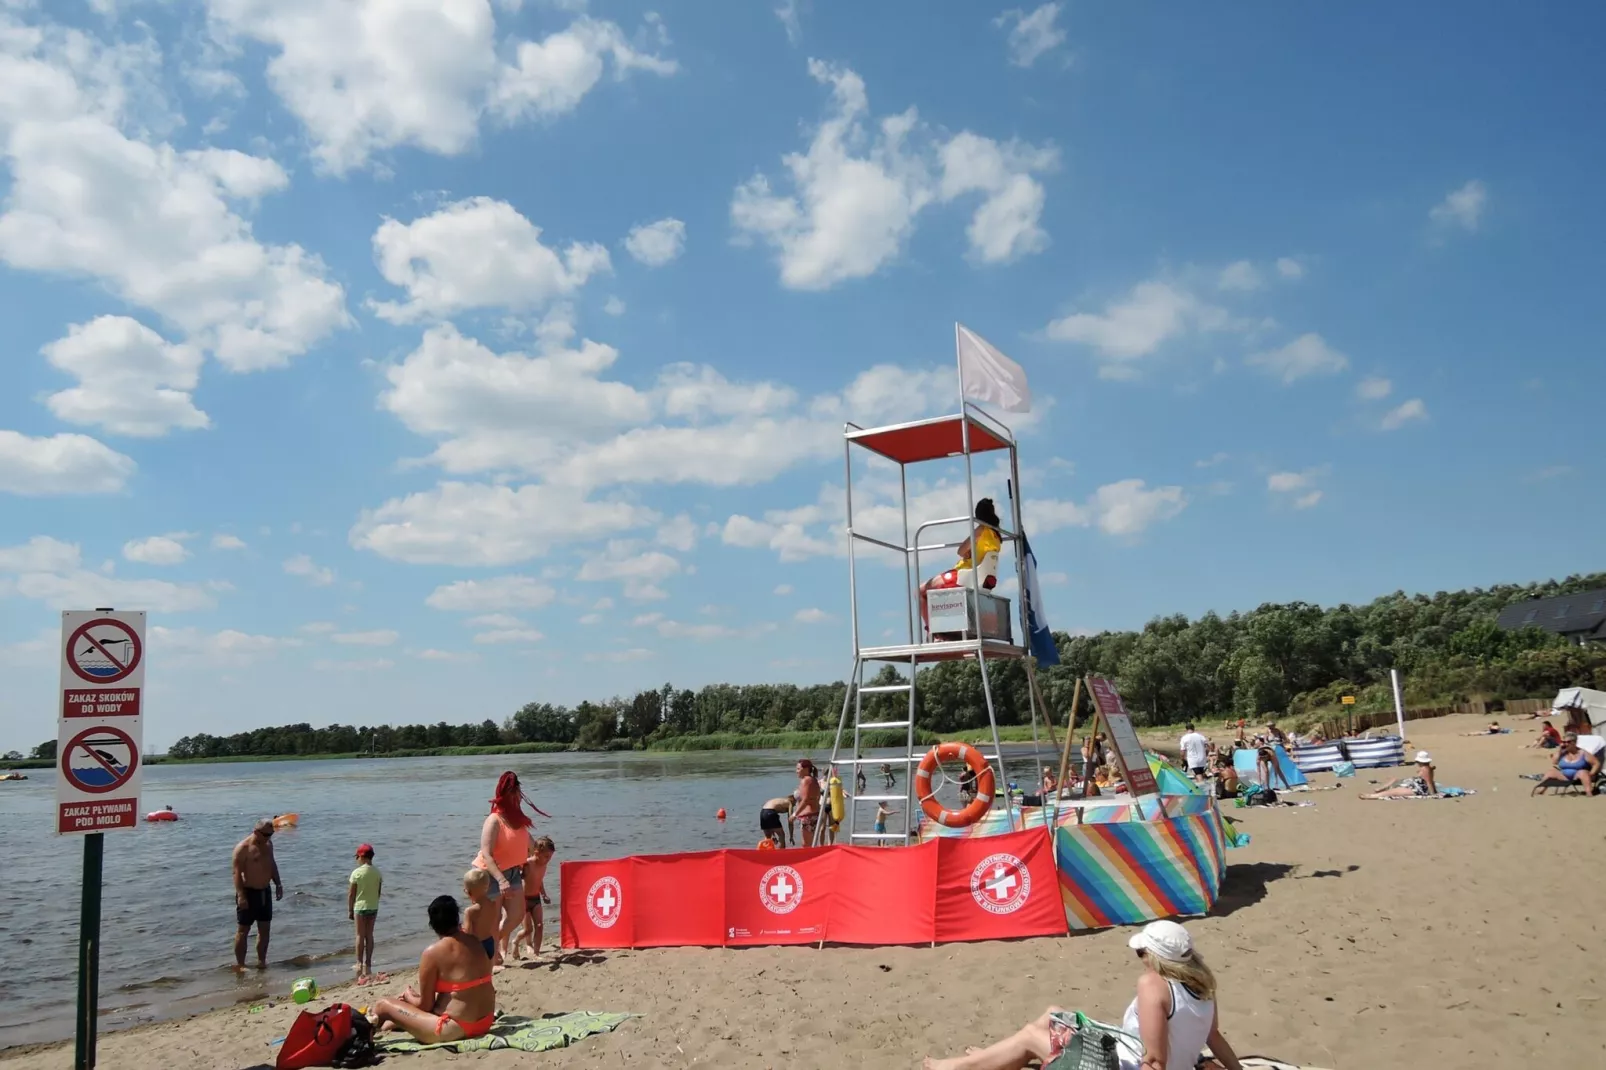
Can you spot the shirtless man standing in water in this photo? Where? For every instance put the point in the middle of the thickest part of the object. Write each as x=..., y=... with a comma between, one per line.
x=254, y=869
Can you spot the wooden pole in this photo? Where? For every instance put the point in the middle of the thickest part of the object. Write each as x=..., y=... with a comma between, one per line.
x=1070, y=734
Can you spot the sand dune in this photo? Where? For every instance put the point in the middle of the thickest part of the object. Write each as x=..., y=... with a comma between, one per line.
x=1352, y=935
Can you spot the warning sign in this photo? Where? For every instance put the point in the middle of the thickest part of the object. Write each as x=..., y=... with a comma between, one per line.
x=98, y=786
x=1129, y=756
x=101, y=730
x=102, y=664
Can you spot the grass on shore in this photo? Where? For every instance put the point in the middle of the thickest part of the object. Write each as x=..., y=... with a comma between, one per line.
x=800, y=741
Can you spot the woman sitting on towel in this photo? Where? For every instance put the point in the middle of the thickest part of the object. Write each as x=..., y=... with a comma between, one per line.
x=1174, y=1014
x=455, y=999
x=1421, y=785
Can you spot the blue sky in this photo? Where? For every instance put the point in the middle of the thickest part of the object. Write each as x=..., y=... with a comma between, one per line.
x=413, y=361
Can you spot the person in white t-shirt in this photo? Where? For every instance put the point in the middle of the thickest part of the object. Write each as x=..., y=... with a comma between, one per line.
x=1195, y=752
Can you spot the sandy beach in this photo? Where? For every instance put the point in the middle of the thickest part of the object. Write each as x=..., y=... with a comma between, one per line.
x=1351, y=935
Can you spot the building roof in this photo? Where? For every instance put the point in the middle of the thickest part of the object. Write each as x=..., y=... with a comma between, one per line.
x=1582, y=614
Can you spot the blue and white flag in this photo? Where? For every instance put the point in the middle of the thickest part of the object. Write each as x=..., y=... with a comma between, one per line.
x=1044, y=649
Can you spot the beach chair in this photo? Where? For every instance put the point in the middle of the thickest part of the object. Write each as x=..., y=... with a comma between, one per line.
x=1568, y=787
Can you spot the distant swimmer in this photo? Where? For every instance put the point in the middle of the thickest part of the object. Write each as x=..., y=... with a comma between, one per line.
x=254, y=869
x=769, y=820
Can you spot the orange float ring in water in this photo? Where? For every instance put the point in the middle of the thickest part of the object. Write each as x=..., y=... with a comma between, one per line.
x=286, y=821
x=973, y=760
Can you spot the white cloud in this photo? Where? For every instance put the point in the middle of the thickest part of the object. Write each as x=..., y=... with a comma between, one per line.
x=1404, y=413
x=634, y=653
x=811, y=615
x=157, y=550
x=494, y=620
x=319, y=627
x=131, y=381
x=508, y=411
x=381, y=637
x=1130, y=506
x=1373, y=388
x=1136, y=325
x=613, y=306
x=509, y=635
x=857, y=191
x=551, y=76
x=432, y=654
x=159, y=228
x=1240, y=275
x=786, y=11
x=303, y=566
x=640, y=571
x=1306, y=355
x=60, y=464
x=497, y=593
x=227, y=647
x=674, y=629
x=1031, y=35
x=477, y=253
x=368, y=75
x=1462, y=207
x=1289, y=268
x=484, y=524
x=656, y=244
x=1053, y=579
x=1288, y=482
x=1212, y=460
x=1006, y=225
x=51, y=571
x=783, y=589
x=357, y=665
x=678, y=534
x=227, y=542
x=1299, y=488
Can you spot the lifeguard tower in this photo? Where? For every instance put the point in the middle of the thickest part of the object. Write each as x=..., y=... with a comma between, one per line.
x=971, y=620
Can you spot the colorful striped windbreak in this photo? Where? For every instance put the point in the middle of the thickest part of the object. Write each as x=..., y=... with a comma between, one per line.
x=1125, y=873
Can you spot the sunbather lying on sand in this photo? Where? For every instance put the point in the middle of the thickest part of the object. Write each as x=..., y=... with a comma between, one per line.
x=1410, y=786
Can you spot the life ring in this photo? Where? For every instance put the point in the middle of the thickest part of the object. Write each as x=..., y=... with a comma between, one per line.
x=973, y=760
x=161, y=815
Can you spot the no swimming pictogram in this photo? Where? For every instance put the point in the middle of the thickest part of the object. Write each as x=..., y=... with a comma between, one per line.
x=98, y=760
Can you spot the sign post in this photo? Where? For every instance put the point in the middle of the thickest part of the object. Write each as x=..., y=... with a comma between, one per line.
x=1127, y=749
x=99, y=735
x=1349, y=708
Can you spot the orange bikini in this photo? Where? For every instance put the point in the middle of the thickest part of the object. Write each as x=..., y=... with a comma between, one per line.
x=472, y=1029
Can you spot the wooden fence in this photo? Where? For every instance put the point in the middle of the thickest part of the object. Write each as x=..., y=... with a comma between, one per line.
x=1339, y=727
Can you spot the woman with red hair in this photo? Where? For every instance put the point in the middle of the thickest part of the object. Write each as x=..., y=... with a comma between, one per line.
x=505, y=841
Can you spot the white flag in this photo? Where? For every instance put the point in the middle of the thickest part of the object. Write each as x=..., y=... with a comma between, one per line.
x=989, y=375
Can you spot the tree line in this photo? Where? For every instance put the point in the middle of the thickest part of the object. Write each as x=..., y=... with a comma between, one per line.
x=1277, y=659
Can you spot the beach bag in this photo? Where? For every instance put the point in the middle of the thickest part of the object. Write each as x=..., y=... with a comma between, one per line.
x=1083, y=1044
x=316, y=1039
x=360, y=1050
x=1344, y=769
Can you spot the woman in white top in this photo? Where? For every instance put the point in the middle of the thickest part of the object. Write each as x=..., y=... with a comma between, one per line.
x=1174, y=1014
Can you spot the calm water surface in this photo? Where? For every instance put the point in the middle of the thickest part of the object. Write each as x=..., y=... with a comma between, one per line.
x=168, y=917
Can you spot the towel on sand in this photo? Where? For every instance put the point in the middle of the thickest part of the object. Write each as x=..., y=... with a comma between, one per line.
x=515, y=1032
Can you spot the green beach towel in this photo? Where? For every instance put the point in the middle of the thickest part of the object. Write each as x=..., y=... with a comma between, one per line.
x=514, y=1032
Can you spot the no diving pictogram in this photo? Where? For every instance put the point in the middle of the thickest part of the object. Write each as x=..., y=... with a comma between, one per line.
x=103, y=651
x=98, y=760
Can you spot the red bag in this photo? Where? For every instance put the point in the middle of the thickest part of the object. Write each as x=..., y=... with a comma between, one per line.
x=315, y=1039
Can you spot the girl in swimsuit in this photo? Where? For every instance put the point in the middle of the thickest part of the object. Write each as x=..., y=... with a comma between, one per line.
x=455, y=998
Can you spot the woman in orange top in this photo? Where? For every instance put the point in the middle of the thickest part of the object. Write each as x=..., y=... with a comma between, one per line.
x=504, y=848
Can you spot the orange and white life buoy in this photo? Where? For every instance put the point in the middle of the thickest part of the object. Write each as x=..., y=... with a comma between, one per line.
x=928, y=797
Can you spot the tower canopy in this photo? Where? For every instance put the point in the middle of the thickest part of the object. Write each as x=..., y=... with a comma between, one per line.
x=930, y=440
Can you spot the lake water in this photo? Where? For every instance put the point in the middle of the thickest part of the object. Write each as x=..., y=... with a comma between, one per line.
x=168, y=916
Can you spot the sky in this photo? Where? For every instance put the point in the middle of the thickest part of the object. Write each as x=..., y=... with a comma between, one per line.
x=410, y=360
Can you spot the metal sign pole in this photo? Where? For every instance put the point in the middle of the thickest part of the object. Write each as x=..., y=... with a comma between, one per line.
x=89, y=953
x=89, y=943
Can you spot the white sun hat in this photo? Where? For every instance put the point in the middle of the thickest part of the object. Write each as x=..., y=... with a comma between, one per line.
x=1424, y=758
x=1166, y=939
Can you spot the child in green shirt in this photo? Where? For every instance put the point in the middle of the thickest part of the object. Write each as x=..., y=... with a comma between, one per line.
x=362, y=907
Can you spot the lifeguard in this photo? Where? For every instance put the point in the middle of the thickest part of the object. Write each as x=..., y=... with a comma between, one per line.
x=983, y=562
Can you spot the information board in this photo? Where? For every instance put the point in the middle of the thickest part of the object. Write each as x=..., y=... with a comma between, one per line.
x=1123, y=737
x=100, y=726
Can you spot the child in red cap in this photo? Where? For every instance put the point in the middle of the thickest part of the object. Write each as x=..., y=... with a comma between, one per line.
x=362, y=907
